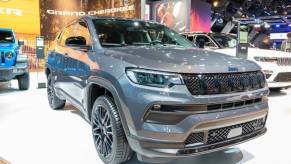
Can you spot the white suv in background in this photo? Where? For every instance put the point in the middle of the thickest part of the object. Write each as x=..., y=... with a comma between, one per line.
x=275, y=64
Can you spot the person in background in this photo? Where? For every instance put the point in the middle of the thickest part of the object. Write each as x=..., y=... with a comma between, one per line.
x=265, y=43
x=286, y=44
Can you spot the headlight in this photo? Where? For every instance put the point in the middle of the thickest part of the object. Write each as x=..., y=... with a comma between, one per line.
x=9, y=55
x=153, y=78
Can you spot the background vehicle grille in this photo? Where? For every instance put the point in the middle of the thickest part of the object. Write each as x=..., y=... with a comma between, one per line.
x=283, y=77
x=206, y=84
x=284, y=61
x=220, y=134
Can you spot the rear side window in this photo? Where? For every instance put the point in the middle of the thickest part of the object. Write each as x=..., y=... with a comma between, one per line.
x=68, y=32
x=6, y=37
x=81, y=30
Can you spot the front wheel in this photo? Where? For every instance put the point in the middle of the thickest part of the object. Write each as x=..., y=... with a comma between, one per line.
x=54, y=101
x=109, y=137
x=23, y=81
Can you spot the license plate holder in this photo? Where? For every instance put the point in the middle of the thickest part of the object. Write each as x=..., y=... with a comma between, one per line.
x=234, y=132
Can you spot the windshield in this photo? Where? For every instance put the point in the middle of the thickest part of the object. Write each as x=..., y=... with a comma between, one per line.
x=6, y=37
x=137, y=33
x=225, y=41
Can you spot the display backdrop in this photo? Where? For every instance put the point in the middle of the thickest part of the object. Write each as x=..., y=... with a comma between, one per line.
x=200, y=16
x=55, y=14
x=20, y=15
x=31, y=18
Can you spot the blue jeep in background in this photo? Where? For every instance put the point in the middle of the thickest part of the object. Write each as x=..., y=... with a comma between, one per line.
x=13, y=65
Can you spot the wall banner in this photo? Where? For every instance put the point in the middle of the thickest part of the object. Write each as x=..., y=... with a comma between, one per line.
x=55, y=14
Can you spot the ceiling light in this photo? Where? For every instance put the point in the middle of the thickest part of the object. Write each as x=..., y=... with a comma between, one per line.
x=215, y=3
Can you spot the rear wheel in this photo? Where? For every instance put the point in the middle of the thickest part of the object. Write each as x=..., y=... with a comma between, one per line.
x=54, y=101
x=23, y=81
x=109, y=137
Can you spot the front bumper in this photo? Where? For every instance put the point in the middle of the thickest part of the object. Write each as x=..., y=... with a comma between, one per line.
x=158, y=139
x=7, y=74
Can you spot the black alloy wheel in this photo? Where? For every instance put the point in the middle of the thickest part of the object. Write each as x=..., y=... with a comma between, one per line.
x=108, y=134
x=54, y=101
x=102, y=131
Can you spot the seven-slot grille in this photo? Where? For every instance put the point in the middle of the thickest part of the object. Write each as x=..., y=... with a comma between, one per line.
x=207, y=84
x=283, y=77
x=220, y=134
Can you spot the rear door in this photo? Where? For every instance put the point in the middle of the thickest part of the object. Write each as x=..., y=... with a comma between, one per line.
x=64, y=62
x=81, y=62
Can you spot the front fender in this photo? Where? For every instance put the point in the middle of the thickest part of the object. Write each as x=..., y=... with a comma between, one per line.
x=115, y=90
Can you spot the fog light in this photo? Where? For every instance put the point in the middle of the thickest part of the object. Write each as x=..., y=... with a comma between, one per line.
x=157, y=107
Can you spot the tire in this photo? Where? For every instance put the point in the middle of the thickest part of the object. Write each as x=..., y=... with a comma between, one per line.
x=109, y=138
x=54, y=102
x=23, y=81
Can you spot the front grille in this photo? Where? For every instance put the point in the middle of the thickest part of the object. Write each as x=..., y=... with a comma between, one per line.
x=283, y=77
x=214, y=107
x=195, y=138
x=284, y=61
x=207, y=84
x=220, y=134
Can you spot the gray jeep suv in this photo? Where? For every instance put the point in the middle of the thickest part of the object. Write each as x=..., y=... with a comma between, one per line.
x=146, y=89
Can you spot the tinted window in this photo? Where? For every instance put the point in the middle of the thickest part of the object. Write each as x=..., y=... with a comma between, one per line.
x=129, y=33
x=6, y=37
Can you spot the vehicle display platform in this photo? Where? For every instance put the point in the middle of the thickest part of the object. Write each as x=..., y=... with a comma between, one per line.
x=32, y=133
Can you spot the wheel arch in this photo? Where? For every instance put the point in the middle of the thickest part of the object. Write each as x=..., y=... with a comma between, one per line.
x=97, y=87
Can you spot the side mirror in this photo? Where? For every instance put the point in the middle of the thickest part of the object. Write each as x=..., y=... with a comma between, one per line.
x=201, y=43
x=20, y=42
x=77, y=42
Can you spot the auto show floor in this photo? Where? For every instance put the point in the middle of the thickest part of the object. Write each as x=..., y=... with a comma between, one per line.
x=32, y=133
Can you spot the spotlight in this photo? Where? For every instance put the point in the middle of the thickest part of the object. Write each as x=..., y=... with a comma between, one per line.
x=257, y=25
x=289, y=25
x=215, y=3
x=277, y=25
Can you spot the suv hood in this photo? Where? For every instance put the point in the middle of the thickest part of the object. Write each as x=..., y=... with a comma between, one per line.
x=181, y=60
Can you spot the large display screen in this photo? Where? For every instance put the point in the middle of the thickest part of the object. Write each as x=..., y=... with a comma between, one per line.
x=200, y=16
x=175, y=14
x=172, y=14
